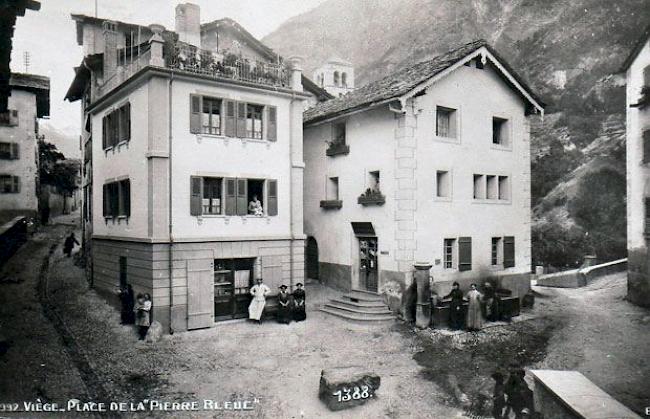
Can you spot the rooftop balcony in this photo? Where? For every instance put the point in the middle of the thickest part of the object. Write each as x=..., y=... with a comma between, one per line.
x=188, y=59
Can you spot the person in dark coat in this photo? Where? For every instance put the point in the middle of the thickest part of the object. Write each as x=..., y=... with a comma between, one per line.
x=285, y=305
x=520, y=397
x=455, y=307
x=69, y=243
x=491, y=302
x=127, y=299
x=498, y=396
x=299, y=309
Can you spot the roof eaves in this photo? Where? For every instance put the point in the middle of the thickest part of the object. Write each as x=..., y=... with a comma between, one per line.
x=638, y=46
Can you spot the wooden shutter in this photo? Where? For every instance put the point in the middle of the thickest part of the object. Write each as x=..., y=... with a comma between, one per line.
x=105, y=200
x=127, y=121
x=242, y=196
x=231, y=196
x=646, y=146
x=114, y=189
x=231, y=119
x=15, y=153
x=200, y=293
x=241, y=119
x=125, y=197
x=272, y=123
x=508, y=252
x=104, y=133
x=646, y=76
x=196, y=195
x=16, y=186
x=272, y=197
x=464, y=254
x=195, y=114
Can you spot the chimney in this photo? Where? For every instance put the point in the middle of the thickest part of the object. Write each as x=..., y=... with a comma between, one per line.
x=295, y=68
x=188, y=23
x=110, y=48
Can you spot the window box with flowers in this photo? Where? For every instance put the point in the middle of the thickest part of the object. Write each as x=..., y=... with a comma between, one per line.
x=371, y=197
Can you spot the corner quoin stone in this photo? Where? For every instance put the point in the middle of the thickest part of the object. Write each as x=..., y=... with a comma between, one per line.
x=333, y=380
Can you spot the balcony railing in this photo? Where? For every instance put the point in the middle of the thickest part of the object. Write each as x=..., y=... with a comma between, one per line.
x=190, y=59
x=371, y=197
x=336, y=148
x=231, y=66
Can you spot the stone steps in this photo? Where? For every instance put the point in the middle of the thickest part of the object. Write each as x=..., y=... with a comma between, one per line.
x=359, y=306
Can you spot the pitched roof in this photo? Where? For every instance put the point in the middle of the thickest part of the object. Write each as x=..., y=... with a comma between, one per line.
x=401, y=83
x=638, y=46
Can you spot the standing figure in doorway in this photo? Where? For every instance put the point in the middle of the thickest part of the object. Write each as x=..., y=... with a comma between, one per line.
x=455, y=306
x=474, y=312
x=69, y=243
x=142, y=315
x=285, y=305
x=259, y=292
x=299, y=310
x=127, y=299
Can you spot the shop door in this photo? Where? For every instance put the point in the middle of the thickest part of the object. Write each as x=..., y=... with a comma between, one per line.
x=199, y=290
x=232, y=281
x=368, y=263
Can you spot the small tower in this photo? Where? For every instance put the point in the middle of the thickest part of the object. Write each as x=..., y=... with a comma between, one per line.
x=336, y=76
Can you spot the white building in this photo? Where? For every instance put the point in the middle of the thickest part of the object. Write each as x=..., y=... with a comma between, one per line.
x=429, y=164
x=29, y=101
x=637, y=72
x=182, y=130
x=336, y=76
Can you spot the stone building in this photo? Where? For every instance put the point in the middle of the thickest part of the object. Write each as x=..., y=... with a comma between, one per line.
x=29, y=101
x=637, y=73
x=336, y=76
x=429, y=164
x=182, y=130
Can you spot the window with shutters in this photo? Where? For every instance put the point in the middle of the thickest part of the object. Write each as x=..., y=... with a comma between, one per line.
x=117, y=199
x=446, y=122
x=116, y=126
x=9, y=151
x=211, y=116
x=254, y=121
x=233, y=196
x=508, y=252
x=449, y=253
x=9, y=184
x=465, y=254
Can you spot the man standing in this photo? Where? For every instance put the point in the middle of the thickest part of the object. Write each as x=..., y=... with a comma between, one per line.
x=256, y=308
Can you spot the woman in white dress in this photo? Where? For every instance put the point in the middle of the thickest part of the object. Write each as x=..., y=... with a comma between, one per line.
x=259, y=293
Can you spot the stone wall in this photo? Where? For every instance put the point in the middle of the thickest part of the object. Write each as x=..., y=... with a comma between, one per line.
x=638, y=277
x=336, y=276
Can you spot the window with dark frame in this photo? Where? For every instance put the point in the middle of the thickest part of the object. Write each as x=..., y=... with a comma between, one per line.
x=117, y=199
x=443, y=184
x=496, y=244
x=9, y=151
x=445, y=122
x=254, y=124
x=211, y=116
x=116, y=126
x=9, y=184
x=9, y=118
x=500, y=131
x=449, y=245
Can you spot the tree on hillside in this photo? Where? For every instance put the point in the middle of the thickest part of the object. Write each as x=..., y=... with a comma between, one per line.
x=55, y=170
x=599, y=207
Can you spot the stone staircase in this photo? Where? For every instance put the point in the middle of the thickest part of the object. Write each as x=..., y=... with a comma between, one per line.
x=359, y=306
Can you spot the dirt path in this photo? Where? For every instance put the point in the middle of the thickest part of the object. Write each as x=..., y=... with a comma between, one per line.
x=37, y=365
x=604, y=337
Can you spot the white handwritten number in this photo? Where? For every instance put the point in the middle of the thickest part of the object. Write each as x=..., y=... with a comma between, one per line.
x=357, y=393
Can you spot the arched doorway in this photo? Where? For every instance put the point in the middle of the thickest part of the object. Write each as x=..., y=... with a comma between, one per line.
x=311, y=256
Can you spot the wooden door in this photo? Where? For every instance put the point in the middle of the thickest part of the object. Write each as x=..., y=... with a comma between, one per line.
x=311, y=256
x=368, y=263
x=200, y=293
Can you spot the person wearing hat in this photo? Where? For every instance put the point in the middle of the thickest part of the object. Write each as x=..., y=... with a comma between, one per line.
x=299, y=313
x=259, y=292
x=285, y=305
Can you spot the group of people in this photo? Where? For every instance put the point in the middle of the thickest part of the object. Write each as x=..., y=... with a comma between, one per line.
x=480, y=306
x=512, y=395
x=136, y=310
x=291, y=306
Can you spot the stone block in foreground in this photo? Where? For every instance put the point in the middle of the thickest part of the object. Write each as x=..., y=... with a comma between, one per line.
x=346, y=387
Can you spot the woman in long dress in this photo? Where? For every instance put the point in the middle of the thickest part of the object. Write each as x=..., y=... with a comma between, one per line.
x=299, y=313
x=285, y=305
x=256, y=307
x=474, y=314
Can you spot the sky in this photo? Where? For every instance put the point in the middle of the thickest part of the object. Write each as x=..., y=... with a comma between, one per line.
x=49, y=36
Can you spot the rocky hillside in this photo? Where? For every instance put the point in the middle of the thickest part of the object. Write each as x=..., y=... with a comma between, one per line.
x=569, y=51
